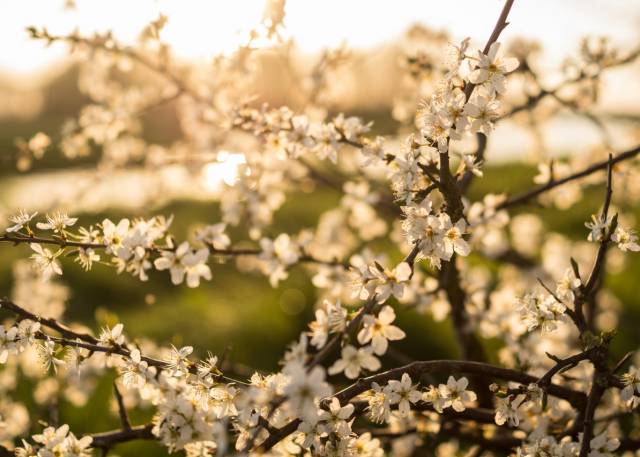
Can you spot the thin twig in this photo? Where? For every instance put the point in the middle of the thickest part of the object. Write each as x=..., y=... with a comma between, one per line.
x=122, y=410
x=84, y=341
x=535, y=192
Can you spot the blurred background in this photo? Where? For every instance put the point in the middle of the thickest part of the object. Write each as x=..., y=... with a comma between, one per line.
x=241, y=314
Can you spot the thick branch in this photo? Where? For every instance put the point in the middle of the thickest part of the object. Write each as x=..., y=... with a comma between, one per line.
x=469, y=344
x=109, y=439
x=416, y=369
x=563, y=365
x=486, y=370
x=592, y=403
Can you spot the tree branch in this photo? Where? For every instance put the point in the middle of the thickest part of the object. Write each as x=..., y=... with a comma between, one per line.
x=533, y=193
x=122, y=410
x=109, y=439
x=415, y=370
x=88, y=342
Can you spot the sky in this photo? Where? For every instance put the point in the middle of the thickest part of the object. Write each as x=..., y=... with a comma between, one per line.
x=203, y=28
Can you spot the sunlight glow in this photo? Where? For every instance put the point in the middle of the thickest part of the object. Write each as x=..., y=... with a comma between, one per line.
x=201, y=29
x=224, y=170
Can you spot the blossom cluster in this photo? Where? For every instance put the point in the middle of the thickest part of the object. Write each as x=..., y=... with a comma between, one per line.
x=56, y=442
x=403, y=238
x=600, y=446
x=376, y=331
x=15, y=339
x=436, y=236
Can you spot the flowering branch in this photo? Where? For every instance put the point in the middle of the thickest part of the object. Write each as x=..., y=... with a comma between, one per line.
x=415, y=369
x=84, y=341
x=107, y=440
x=395, y=202
x=602, y=165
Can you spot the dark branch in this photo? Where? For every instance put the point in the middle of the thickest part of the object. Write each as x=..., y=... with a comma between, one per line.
x=533, y=193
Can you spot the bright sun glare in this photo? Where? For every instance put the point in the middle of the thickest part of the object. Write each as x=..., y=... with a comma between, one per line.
x=198, y=31
x=225, y=169
x=201, y=29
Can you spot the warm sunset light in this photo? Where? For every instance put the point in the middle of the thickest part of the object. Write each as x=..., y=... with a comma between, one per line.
x=225, y=169
x=320, y=228
x=204, y=28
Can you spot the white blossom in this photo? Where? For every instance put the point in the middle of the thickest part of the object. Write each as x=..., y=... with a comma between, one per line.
x=136, y=372
x=214, y=235
x=491, y=68
x=277, y=255
x=57, y=222
x=8, y=343
x=113, y=235
x=452, y=237
x=313, y=431
x=483, y=111
x=379, y=404
x=631, y=391
x=304, y=389
x=597, y=228
x=403, y=393
x=337, y=417
x=56, y=442
x=86, y=257
x=19, y=221
x=112, y=336
x=627, y=240
x=566, y=287
x=46, y=261
x=185, y=262
x=452, y=394
x=390, y=282
x=508, y=410
x=179, y=359
x=353, y=360
x=541, y=311
x=379, y=331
